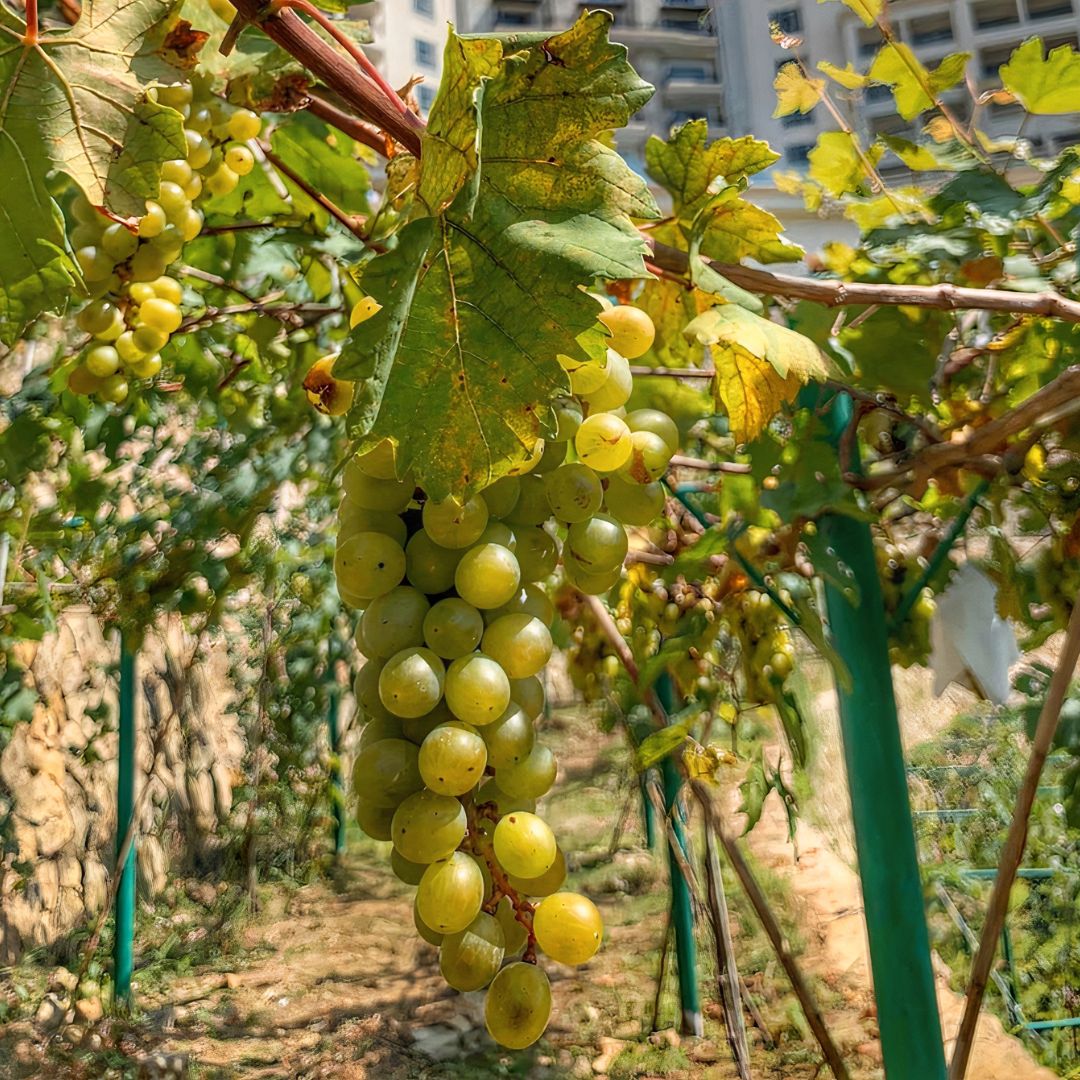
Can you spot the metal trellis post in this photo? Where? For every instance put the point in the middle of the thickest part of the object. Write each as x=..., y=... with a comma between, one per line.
x=337, y=786
x=125, y=805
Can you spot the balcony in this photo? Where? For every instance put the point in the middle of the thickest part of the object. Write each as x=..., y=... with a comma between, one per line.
x=1048, y=9
x=693, y=5
x=993, y=14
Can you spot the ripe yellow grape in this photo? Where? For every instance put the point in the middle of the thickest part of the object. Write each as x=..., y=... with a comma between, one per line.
x=658, y=423
x=471, y=958
x=374, y=820
x=487, y=576
x=529, y=779
x=244, y=125
x=520, y=643
x=477, y=689
x=240, y=159
x=616, y=388
x=518, y=1005
x=379, y=462
x=632, y=331
x=102, y=361
x=603, y=442
x=362, y=310
x=524, y=845
x=386, y=771
x=450, y=893
x=332, y=397
x=369, y=564
x=453, y=524
x=411, y=682
x=568, y=927
x=427, y=826
x=547, y=883
x=452, y=759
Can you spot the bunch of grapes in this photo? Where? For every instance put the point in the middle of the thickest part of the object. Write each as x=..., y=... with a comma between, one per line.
x=455, y=627
x=909, y=643
x=135, y=305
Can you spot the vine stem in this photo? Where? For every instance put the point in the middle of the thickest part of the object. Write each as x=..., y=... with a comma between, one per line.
x=1013, y=852
x=348, y=125
x=30, y=38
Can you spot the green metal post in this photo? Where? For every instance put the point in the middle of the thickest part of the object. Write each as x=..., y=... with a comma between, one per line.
x=682, y=912
x=125, y=807
x=650, y=818
x=337, y=787
x=907, y=1012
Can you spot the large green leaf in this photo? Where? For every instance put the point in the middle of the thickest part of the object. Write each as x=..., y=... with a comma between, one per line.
x=915, y=87
x=478, y=301
x=1044, y=85
x=325, y=158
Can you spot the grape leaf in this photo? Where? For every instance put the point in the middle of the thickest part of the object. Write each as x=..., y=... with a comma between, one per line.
x=867, y=10
x=462, y=354
x=760, y=365
x=837, y=162
x=1043, y=86
x=846, y=76
x=915, y=87
x=729, y=228
x=795, y=90
x=324, y=157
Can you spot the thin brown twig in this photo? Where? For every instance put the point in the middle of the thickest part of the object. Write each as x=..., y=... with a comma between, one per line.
x=356, y=129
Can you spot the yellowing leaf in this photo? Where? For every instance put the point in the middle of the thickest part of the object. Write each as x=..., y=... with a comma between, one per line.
x=732, y=229
x=873, y=213
x=914, y=87
x=704, y=762
x=867, y=10
x=1044, y=86
x=837, y=162
x=846, y=76
x=795, y=90
x=1070, y=189
x=760, y=365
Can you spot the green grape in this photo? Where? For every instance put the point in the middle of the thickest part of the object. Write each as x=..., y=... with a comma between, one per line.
x=369, y=564
x=354, y=518
x=379, y=461
x=529, y=779
x=96, y=265
x=453, y=628
x=450, y=893
x=160, y=315
x=452, y=524
x=547, y=883
x=430, y=567
x=514, y=933
x=168, y=243
x=240, y=159
x=616, y=389
x=102, y=361
x=422, y=928
x=395, y=621
x=632, y=331
x=177, y=171
x=168, y=288
x=590, y=582
x=568, y=927
x=200, y=120
x=416, y=729
x=126, y=348
x=502, y=496
x=244, y=125
x=374, y=494
x=524, y=845
x=408, y=872
x=147, y=367
x=471, y=958
x=80, y=381
x=366, y=689
x=598, y=544
x=498, y=532
x=148, y=263
x=527, y=464
x=452, y=759
x=531, y=600
x=532, y=506
x=85, y=213
x=374, y=820
x=634, y=504
x=477, y=689
x=193, y=188
x=553, y=456
x=603, y=442
x=520, y=643
x=490, y=792
x=529, y=694
x=387, y=771
x=518, y=1005
x=378, y=728
x=175, y=95
x=118, y=242
x=153, y=221
x=487, y=575
x=568, y=419
x=114, y=389
x=96, y=317
x=658, y=423
x=148, y=340
x=171, y=199
x=427, y=826
x=537, y=554
x=411, y=682
x=141, y=291
x=222, y=181
x=649, y=457
x=510, y=738
x=574, y=492
x=587, y=377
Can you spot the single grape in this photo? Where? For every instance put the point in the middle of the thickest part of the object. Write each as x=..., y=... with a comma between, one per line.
x=147, y=367
x=598, y=544
x=126, y=348
x=148, y=340
x=200, y=119
x=514, y=933
x=603, y=442
x=102, y=361
x=502, y=496
x=96, y=265
x=498, y=532
x=422, y=928
x=574, y=492
x=547, y=883
x=427, y=826
x=411, y=682
x=471, y=958
x=518, y=1005
x=568, y=417
x=378, y=462
x=114, y=389
x=240, y=159
x=529, y=599
x=177, y=171
x=658, y=423
x=529, y=779
x=408, y=872
x=487, y=575
x=80, y=381
x=362, y=310
x=568, y=927
x=590, y=582
x=97, y=316
x=633, y=504
x=395, y=621
x=452, y=759
x=148, y=263
x=244, y=125
x=168, y=243
x=450, y=893
x=153, y=221
x=391, y=496
x=520, y=643
x=585, y=375
x=524, y=845
x=369, y=564
x=366, y=689
x=160, y=314
x=453, y=524
x=632, y=331
x=353, y=518
x=374, y=820
x=529, y=694
x=453, y=628
x=429, y=566
x=617, y=387
x=554, y=455
x=141, y=291
x=532, y=506
x=190, y=224
x=537, y=554
x=510, y=738
x=477, y=689
x=222, y=182
x=175, y=95
x=387, y=771
x=378, y=728
x=649, y=457
x=118, y=242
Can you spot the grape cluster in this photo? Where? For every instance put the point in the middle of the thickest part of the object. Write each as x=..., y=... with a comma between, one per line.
x=455, y=628
x=135, y=306
x=909, y=642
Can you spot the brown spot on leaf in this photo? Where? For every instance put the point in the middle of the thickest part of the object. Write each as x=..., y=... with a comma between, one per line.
x=182, y=45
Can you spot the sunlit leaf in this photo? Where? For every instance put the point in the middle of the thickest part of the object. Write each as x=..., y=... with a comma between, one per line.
x=914, y=86
x=846, y=76
x=795, y=90
x=839, y=163
x=1044, y=85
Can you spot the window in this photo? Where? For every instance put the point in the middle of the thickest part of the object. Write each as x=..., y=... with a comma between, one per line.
x=799, y=154
x=789, y=20
x=692, y=73
x=931, y=28
x=878, y=92
x=513, y=18
x=424, y=7
x=991, y=13
x=1048, y=9
x=797, y=119
x=426, y=96
x=990, y=60
x=424, y=52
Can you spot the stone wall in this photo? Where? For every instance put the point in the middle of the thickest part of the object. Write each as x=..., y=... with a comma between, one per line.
x=58, y=777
